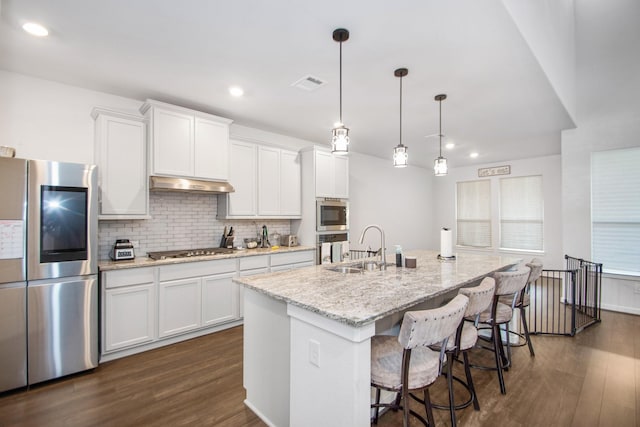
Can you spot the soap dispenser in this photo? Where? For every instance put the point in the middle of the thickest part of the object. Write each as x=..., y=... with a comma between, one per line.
x=398, y=256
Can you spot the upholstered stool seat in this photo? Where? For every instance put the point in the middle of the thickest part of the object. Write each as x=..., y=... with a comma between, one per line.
x=405, y=364
x=504, y=313
x=386, y=368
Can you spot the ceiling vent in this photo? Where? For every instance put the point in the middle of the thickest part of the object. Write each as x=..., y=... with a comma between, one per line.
x=309, y=83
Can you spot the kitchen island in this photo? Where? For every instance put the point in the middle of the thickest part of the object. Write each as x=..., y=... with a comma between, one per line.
x=307, y=332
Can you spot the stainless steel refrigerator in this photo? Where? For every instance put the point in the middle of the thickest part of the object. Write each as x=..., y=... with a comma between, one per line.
x=48, y=270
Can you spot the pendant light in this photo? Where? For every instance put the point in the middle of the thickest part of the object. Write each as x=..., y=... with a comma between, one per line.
x=340, y=134
x=400, y=155
x=440, y=164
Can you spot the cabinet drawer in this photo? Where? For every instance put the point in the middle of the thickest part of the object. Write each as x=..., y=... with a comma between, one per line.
x=127, y=277
x=291, y=258
x=251, y=262
x=196, y=269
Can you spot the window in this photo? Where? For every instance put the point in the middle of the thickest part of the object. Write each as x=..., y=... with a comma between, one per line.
x=474, y=213
x=615, y=210
x=521, y=213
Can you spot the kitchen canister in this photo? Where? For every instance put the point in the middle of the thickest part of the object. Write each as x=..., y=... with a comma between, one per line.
x=410, y=261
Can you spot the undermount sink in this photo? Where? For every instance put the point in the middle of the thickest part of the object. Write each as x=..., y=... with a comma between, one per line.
x=345, y=269
x=358, y=267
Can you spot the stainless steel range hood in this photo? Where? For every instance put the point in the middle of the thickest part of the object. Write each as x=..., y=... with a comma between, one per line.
x=164, y=183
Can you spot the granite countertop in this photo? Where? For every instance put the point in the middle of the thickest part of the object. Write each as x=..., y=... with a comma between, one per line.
x=106, y=265
x=358, y=299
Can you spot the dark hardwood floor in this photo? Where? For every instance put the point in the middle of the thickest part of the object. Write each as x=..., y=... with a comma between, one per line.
x=592, y=379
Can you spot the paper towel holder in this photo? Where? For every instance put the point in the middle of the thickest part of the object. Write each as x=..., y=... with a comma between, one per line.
x=452, y=257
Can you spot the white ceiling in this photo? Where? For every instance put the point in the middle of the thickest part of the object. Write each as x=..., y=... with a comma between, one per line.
x=500, y=102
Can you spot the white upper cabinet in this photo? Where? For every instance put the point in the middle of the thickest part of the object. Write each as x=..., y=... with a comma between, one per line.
x=331, y=175
x=243, y=176
x=187, y=143
x=211, y=149
x=291, y=180
x=121, y=156
x=267, y=181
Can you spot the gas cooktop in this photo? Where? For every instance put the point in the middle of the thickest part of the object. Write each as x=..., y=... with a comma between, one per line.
x=189, y=253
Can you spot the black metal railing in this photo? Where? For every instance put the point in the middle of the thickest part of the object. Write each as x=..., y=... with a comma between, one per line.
x=563, y=302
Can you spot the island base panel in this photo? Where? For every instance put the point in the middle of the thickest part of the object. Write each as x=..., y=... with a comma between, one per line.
x=266, y=357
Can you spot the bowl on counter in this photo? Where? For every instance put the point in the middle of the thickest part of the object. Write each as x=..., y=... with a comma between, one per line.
x=251, y=243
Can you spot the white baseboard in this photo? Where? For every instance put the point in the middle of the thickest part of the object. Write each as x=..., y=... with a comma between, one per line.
x=621, y=309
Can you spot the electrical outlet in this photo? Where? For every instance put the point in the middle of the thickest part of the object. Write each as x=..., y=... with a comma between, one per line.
x=135, y=243
x=314, y=352
x=637, y=288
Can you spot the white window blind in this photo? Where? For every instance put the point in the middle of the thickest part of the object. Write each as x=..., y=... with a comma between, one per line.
x=615, y=210
x=521, y=213
x=474, y=213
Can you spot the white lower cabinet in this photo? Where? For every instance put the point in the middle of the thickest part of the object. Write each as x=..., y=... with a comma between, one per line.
x=219, y=299
x=292, y=260
x=149, y=307
x=129, y=308
x=179, y=306
x=131, y=315
x=250, y=266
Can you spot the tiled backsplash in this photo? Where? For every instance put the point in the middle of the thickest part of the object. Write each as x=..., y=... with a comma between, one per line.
x=180, y=221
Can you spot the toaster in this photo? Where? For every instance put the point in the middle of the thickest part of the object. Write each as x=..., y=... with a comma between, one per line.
x=289, y=240
x=122, y=250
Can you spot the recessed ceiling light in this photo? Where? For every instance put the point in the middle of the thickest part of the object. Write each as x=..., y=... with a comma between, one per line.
x=473, y=155
x=449, y=145
x=35, y=29
x=236, y=91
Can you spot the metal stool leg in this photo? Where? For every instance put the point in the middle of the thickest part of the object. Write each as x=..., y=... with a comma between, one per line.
x=525, y=326
x=467, y=371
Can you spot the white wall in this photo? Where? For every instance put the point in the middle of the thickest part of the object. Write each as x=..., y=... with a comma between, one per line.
x=608, y=117
x=51, y=121
x=399, y=200
x=548, y=167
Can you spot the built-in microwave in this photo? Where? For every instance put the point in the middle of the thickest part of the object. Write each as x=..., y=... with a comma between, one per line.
x=332, y=214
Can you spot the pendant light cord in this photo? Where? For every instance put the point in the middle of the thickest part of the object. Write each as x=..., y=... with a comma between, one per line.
x=400, y=110
x=440, y=101
x=341, y=124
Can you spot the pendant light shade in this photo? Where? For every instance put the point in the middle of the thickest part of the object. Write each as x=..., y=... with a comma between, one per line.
x=400, y=155
x=440, y=164
x=340, y=133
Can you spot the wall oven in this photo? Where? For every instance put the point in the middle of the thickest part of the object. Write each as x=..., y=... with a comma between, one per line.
x=332, y=214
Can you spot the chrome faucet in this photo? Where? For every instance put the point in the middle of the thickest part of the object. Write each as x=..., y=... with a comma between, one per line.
x=382, y=244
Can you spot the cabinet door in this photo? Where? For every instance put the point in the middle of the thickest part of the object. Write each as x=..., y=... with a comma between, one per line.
x=219, y=299
x=324, y=174
x=341, y=177
x=268, y=181
x=290, y=183
x=211, y=149
x=172, y=143
x=243, y=177
x=121, y=156
x=129, y=316
x=179, y=306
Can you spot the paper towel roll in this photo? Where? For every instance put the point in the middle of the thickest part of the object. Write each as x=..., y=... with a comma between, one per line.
x=446, y=243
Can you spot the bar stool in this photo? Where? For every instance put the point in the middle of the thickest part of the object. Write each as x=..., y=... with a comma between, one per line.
x=465, y=339
x=508, y=283
x=405, y=364
x=523, y=301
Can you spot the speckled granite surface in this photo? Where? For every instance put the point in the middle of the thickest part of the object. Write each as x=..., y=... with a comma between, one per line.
x=106, y=265
x=357, y=299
